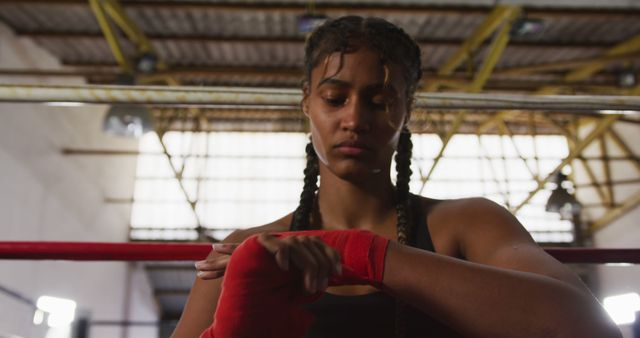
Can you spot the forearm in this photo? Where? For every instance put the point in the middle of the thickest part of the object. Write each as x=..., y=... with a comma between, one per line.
x=199, y=309
x=485, y=301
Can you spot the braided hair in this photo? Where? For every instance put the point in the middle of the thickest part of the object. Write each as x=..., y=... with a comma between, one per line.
x=396, y=47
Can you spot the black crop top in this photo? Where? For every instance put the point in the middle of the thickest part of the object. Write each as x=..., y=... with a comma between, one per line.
x=373, y=315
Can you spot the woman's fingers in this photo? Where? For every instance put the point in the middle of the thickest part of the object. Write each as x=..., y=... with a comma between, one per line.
x=305, y=261
x=225, y=248
x=277, y=248
x=207, y=275
x=217, y=263
x=325, y=264
x=334, y=256
x=316, y=260
x=212, y=268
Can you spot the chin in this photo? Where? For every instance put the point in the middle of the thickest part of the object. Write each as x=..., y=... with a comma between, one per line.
x=356, y=171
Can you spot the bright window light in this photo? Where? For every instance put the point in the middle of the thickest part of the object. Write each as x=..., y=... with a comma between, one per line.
x=61, y=311
x=243, y=179
x=623, y=112
x=64, y=104
x=623, y=308
x=38, y=317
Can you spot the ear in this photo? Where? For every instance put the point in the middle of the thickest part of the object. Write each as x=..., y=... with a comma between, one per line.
x=304, y=104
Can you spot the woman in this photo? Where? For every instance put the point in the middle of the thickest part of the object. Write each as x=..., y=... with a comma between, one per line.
x=463, y=267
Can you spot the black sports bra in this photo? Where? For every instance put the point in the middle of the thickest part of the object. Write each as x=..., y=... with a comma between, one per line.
x=373, y=315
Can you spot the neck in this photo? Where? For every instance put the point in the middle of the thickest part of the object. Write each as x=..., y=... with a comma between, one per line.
x=367, y=204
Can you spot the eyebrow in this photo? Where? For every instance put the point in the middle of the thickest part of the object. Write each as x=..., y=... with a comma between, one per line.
x=333, y=81
x=341, y=83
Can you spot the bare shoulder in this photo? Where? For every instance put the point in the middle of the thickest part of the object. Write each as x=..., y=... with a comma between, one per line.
x=487, y=233
x=462, y=227
x=279, y=225
x=479, y=214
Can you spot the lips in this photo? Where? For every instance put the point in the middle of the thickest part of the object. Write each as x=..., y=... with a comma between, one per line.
x=352, y=147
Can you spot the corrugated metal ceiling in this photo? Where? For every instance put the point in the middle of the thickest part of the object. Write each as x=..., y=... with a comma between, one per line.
x=198, y=35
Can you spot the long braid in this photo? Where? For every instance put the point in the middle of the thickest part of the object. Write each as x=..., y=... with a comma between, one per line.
x=403, y=209
x=403, y=168
x=302, y=215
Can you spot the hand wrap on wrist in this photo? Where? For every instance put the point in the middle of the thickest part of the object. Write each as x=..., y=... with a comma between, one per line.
x=259, y=299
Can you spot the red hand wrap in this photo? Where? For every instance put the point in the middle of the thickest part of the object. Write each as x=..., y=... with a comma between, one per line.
x=259, y=299
x=362, y=254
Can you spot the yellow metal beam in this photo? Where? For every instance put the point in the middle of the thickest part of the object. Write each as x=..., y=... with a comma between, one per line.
x=617, y=140
x=592, y=179
x=114, y=10
x=135, y=34
x=504, y=130
x=572, y=140
x=445, y=141
x=569, y=64
x=496, y=49
x=630, y=46
x=504, y=15
x=177, y=173
x=110, y=35
x=490, y=24
x=602, y=126
x=613, y=214
x=606, y=167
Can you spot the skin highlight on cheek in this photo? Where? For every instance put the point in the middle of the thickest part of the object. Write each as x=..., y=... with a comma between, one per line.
x=320, y=151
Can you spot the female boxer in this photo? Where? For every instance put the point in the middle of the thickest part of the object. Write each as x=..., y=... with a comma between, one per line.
x=408, y=266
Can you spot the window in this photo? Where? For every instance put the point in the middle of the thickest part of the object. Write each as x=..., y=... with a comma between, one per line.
x=242, y=179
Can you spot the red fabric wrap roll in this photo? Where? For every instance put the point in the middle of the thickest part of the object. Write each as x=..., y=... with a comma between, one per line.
x=259, y=299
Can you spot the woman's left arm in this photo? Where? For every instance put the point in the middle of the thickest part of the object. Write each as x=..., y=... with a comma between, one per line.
x=506, y=286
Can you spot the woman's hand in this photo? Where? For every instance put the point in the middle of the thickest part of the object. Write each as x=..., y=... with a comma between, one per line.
x=213, y=268
x=316, y=260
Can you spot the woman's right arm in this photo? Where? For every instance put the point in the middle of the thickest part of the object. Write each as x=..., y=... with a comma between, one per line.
x=203, y=298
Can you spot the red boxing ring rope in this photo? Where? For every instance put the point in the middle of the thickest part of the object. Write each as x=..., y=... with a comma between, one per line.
x=94, y=251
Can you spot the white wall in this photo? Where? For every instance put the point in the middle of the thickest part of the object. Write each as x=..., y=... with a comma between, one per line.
x=48, y=196
x=616, y=280
x=624, y=232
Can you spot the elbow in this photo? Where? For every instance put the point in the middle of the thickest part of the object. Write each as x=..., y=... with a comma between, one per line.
x=599, y=332
x=589, y=326
x=579, y=315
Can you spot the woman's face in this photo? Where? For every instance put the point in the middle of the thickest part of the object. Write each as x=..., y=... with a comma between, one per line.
x=355, y=117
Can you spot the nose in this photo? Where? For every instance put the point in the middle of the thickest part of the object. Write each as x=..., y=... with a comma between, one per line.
x=356, y=117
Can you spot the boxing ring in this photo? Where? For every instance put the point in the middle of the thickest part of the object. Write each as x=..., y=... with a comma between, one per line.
x=275, y=98
x=96, y=251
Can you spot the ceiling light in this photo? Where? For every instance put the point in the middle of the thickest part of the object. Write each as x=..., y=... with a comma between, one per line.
x=626, y=79
x=527, y=28
x=127, y=120
x=561, y=201
x=147, y=63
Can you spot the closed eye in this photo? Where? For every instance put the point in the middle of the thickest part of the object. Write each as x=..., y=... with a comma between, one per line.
x=382, y=102
x=335, y=102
